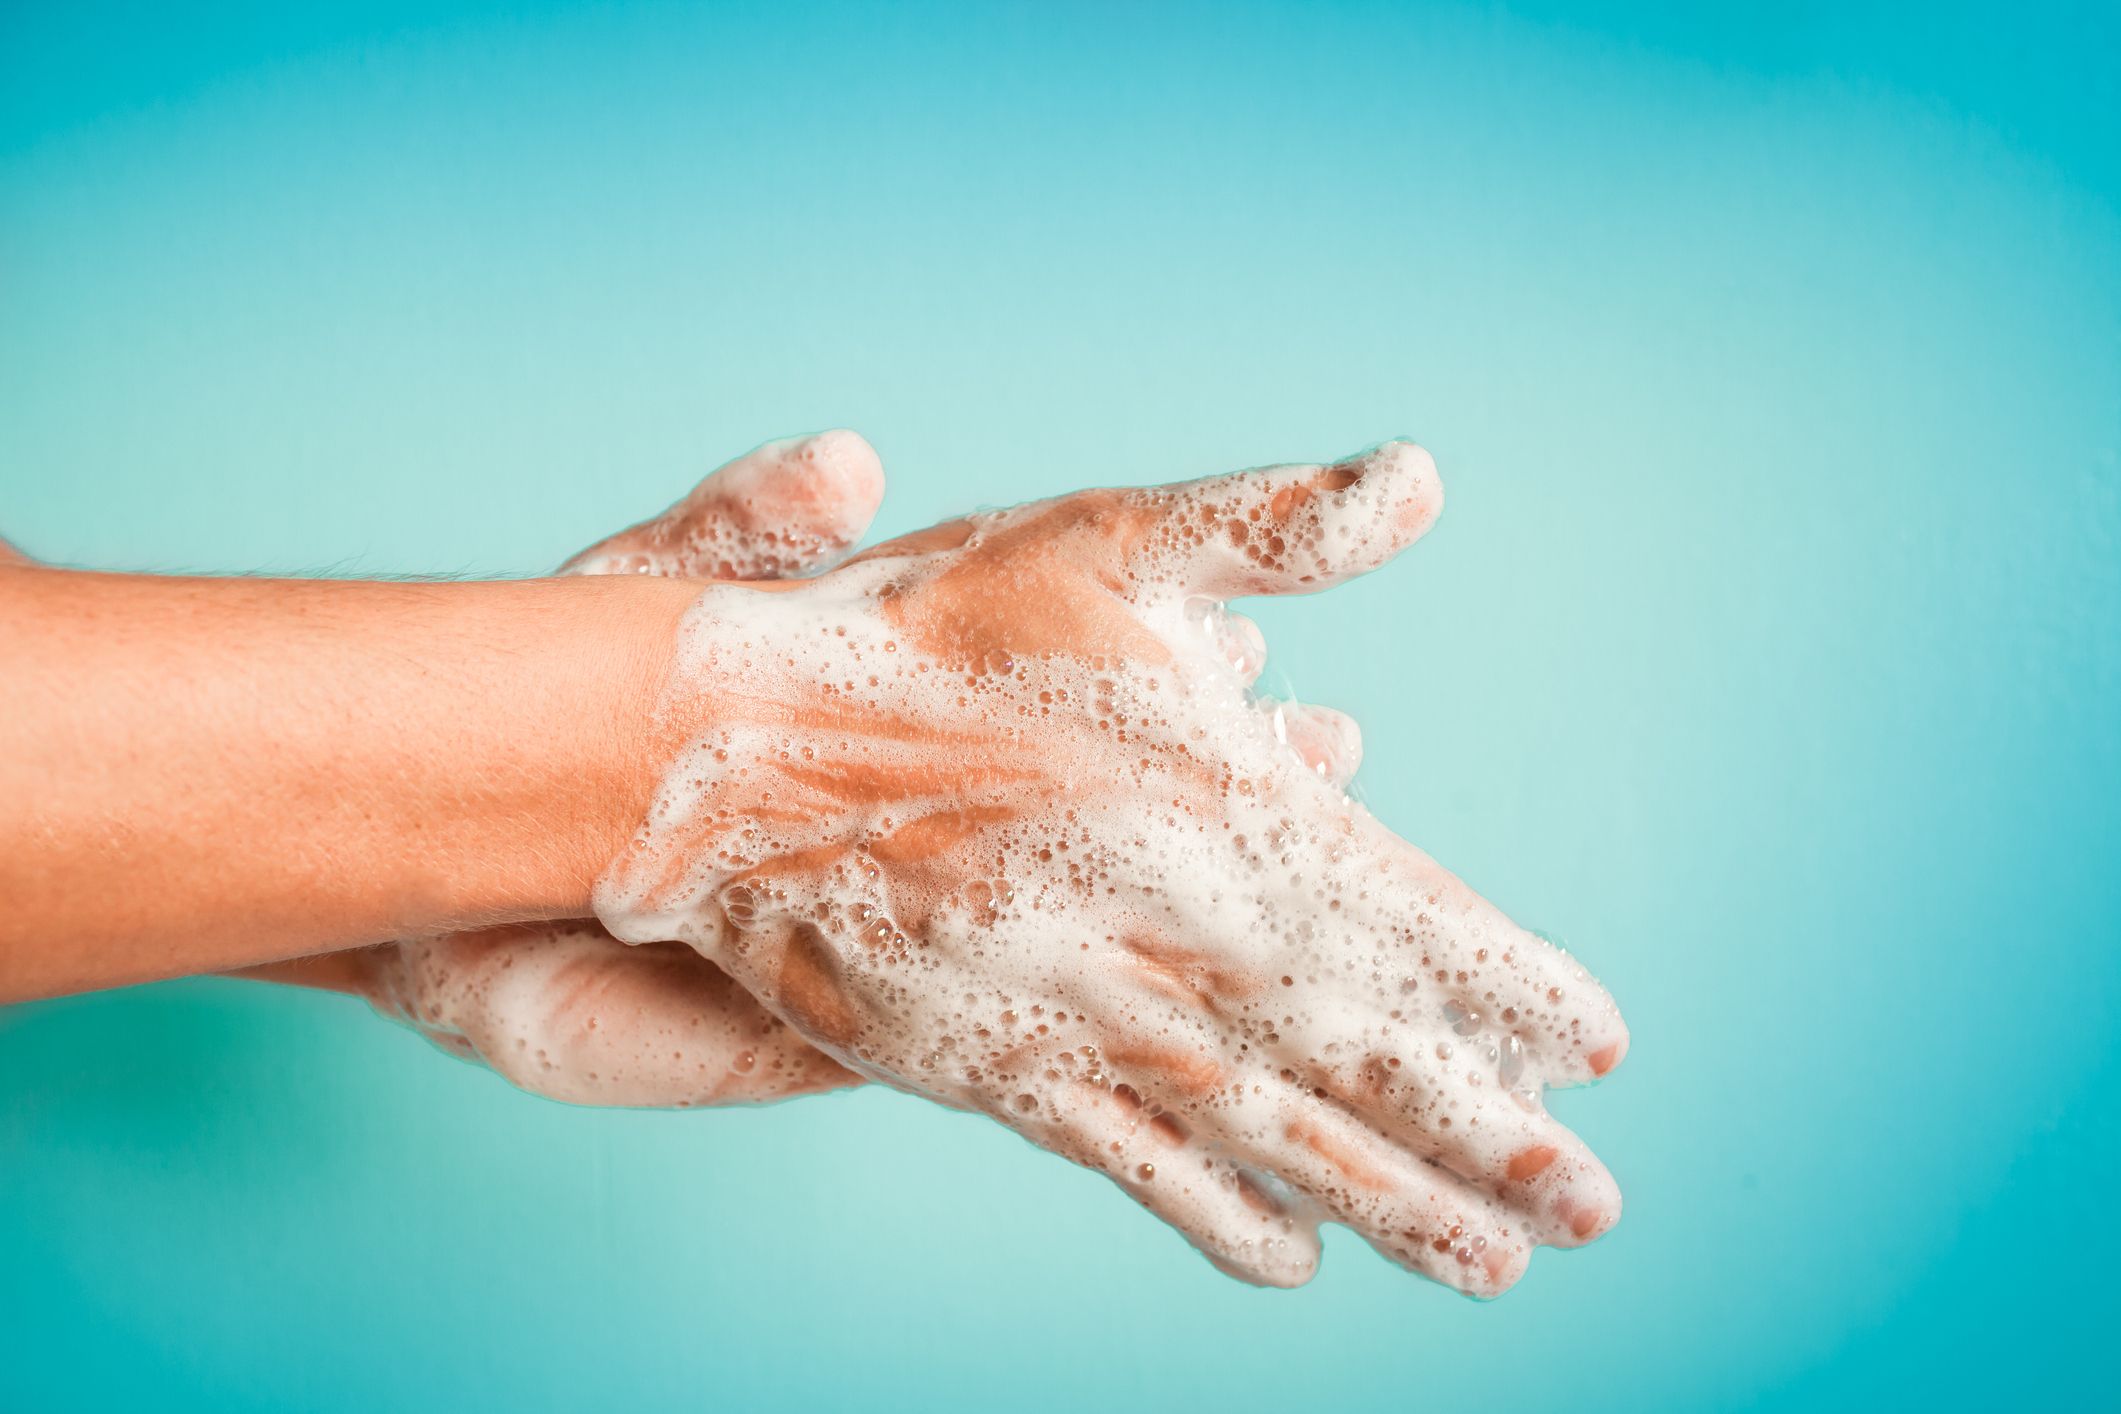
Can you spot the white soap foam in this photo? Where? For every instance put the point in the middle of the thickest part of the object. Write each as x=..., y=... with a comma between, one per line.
x=785, y=508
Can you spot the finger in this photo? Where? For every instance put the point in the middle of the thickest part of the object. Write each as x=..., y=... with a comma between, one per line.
x=1462, y=950
x=1327, y=741
x=568, y=1012
x=1109, y=1108
x=661, y=1026
x=1413, y=1213
x=9, y=555
x=1239, y=1223
x=1232, y=638
x=934, y=539
x=1290, y=529
x=1444, y=1101
x=1516, y=985
x=781, y=509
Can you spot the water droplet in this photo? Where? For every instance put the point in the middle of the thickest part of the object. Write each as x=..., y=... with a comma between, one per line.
x=1512, y=1065
x=1464, y=1020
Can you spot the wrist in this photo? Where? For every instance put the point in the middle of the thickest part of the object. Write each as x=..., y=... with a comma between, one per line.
x=608, y=740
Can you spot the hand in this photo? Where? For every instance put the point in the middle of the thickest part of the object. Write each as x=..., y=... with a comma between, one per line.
x=989, y=814
x=565, y=1010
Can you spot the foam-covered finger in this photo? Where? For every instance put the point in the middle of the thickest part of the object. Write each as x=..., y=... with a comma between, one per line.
x=660, y=1026
x=1291, y=529
x=1556, y=1178
x=1568, y=1023
x=1412, y=1212
x=568, y=1012
x=1478, y=970
x=1518, y=987
x=1457, y=1102
x=1230, y=638
x=1326, y=741
x=1233, y=1218
x=783, y=508
x=1529, y=992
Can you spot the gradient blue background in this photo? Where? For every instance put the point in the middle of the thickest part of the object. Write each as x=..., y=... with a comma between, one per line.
x=1769, y=652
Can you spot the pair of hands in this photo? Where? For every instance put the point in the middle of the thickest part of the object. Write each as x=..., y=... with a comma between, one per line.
x=991, y=814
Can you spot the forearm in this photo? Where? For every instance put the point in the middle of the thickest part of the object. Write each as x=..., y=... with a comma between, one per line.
x=209, y=774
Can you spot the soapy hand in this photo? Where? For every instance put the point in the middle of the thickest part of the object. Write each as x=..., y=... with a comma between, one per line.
x=567, y=1011
x=990, y=814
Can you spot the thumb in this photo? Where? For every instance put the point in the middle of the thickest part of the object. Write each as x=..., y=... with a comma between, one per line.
x=784, y=508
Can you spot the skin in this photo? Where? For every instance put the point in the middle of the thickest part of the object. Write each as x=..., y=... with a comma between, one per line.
x=206, y=774
x=565, y=1010
x=615, y=1025
x=226, y=774
x=1012, y=727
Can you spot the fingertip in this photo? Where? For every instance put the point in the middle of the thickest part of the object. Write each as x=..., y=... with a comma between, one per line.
x=1243, y=646
x=1270, y=1278
x=1585, y=1204
x=838, y=468
x=1584, y=1223
x=1406, y=475
x=817, y=493
x=1327, y=741
x=1282, y=1263
x=1497, y=1269
x=784, y=507
x=1607, y=1058
x=1301, y=528
x=1341, y=754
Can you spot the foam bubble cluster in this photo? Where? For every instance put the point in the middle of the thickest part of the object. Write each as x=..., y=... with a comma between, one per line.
x=782, y=509
x=992, y=815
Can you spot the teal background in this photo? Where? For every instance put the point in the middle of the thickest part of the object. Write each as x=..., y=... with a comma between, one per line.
x=1768, y=653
